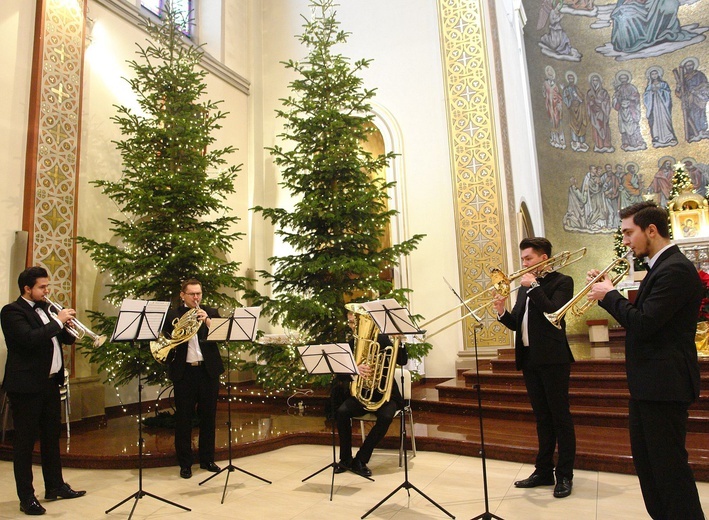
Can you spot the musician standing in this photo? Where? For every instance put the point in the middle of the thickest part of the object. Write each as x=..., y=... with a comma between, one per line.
x=660, y=360
x=33, y=374
x=194, y=371
x=542, y=353
x=351, y=407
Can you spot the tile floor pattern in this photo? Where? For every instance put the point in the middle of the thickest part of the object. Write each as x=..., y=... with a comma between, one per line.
x=453, y=481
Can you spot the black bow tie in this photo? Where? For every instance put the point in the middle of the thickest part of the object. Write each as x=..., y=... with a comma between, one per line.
x=40, y=305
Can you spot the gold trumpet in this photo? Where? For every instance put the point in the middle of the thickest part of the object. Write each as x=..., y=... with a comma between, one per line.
x=75, y=327
x=577, y=310
x=501, y=284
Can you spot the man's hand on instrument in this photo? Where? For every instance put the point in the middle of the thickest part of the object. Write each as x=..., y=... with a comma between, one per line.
x=498, y=303
x=66, y=315
x=527, y=279
x=364, y=370
x=599, y=289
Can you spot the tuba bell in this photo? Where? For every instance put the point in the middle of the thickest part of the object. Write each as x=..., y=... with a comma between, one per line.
x=375, y=390
x=184, y=328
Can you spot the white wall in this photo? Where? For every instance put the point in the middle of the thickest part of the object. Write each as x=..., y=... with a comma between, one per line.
x=403, y=42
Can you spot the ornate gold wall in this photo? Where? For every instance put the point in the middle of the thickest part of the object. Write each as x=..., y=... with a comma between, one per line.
x=476, y=168
x=52, y=164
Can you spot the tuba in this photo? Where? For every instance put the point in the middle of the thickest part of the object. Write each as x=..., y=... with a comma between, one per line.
x=375, y=390
x=184, y=328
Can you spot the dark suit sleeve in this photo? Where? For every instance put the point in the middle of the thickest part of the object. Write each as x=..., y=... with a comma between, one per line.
x=664, y=297
x=562, y=293
x=30, y=340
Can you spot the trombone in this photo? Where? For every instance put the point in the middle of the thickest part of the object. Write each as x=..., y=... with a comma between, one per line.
x=577, y=310
x=501, y=284
x=76, y=328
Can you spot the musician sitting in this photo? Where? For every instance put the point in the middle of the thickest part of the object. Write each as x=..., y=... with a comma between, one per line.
x=351, y=407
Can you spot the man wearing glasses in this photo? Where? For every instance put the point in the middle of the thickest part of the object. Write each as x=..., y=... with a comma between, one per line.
x=194, y=371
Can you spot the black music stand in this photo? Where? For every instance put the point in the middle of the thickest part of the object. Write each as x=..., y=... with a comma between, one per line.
x=140, y=320
x=240, y=326
x=393, y=319
x=486, y=515
x=330, y=358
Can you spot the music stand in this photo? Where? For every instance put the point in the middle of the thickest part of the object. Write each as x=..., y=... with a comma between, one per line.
x=240, y=326
x=393, y=319
x=486, y=515
x=330, y=358
x=140, y=320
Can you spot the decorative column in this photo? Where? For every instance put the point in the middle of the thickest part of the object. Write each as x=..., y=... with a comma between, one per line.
x=54, y=132
x=471, y=123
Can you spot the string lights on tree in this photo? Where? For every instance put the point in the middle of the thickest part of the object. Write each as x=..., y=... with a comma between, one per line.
x=337, y=227
x=172, y=194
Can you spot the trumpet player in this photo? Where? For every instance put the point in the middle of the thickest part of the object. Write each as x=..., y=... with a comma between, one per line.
x=33, y=374
x=542, y=353
x=194, y=371
x=660, y=360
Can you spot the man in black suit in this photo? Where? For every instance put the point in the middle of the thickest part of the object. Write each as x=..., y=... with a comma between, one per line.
x=352, y=407
x=542, y=353
x=660, y=361
x=33, y=374
x=194, y=371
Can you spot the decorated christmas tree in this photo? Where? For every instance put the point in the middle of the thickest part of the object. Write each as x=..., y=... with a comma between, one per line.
x=172, y=194
x=680, y=181
x=337, y=227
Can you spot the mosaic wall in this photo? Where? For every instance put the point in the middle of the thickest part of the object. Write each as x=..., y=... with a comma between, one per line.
x=52, y=165
x=619, y=94
x=477, y=178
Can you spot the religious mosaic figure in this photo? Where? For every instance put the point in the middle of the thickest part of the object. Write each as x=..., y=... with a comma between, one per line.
x=575, y=217
x=658, y=108
x=555, y=39
x=598, y=108
x=611, y=191
x=554, y=104
x=698, y=175
x=576, y=108
x=594, y=199
x=693, y=90
x=639, y=24
x=626, y=100
x=583, y=5
x=661, y=184
x=630, y=186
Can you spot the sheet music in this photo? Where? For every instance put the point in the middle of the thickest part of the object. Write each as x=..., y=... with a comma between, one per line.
x=129, y=321
x=390, y=317
x=240, y=326
x=316, y=358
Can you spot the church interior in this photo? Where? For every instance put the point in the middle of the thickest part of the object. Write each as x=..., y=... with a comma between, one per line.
x=501, y=120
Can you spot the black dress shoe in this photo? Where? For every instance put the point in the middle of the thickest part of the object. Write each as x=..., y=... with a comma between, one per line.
x=186, y=472
x=210, y=466
x=535, y=480
x=360, y=468
x=32, y=507
x=63, y=491
x=563, y=487
x=343, y=466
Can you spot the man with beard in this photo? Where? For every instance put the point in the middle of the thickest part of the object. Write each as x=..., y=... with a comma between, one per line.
x=660, y=360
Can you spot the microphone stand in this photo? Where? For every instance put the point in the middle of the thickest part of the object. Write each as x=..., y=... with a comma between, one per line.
x=486, y=515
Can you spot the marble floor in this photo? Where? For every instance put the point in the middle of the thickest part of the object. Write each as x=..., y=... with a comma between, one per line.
x=452, y=481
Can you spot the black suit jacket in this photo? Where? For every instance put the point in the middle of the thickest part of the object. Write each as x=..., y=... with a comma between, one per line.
x=210, y=350
x=547, y=344
x=29, y=347
x=660, y=353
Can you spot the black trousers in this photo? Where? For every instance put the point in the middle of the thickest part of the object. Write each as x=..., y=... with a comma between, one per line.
x=658, y=431
x=195, y=389
x=36, y=415
x=353, y=408
x=548, y=390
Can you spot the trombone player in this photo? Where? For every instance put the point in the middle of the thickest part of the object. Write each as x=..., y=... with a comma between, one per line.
x=660, y=360
x=542, y=353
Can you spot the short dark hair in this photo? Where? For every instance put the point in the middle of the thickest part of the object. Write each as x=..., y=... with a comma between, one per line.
x=29, y=276
x=648, y=212
x=190, y=281
x=540, y=245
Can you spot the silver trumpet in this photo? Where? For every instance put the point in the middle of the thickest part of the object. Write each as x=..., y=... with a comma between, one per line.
x=75, y=327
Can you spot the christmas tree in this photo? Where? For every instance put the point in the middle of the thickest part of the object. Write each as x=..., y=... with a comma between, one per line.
x=341, y=214
x=172, y=193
